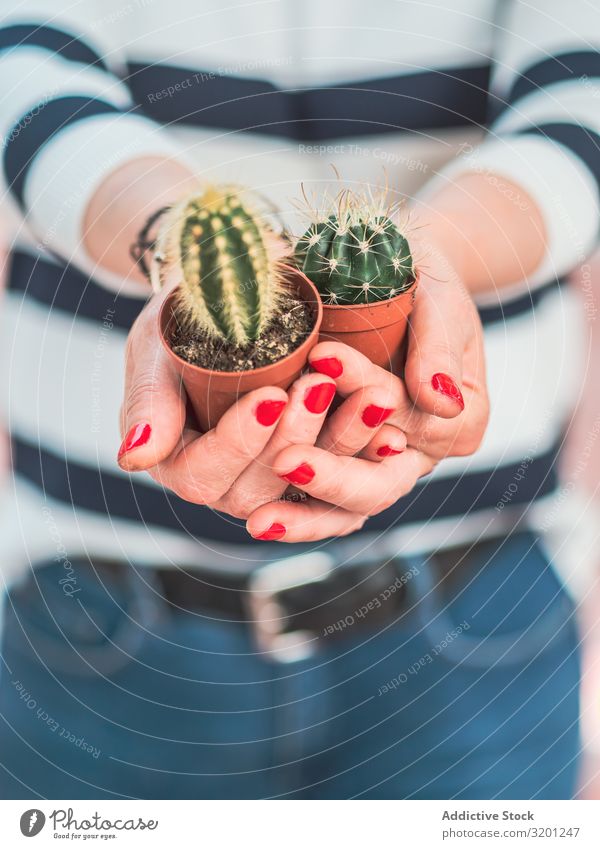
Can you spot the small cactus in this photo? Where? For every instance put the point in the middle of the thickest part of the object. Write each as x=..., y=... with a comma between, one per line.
x=231, y=281
x=356, y=254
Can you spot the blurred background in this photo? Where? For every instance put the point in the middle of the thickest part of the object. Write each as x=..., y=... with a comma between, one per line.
x=587, y=494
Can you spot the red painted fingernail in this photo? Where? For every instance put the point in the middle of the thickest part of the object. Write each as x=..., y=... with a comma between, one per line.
x=137, y=436
x=274, y=531
x=330, y=366
x=388, y=451
x=443, y=383
x=319, y=397
x=373, y=415
x=303, y=474
x=268, y=412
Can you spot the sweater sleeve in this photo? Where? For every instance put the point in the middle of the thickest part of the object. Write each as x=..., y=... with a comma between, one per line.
x=544, y=130
x=66, y=118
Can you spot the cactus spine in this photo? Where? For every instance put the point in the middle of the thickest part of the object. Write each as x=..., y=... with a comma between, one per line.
x=356, y=254
x=228, y=257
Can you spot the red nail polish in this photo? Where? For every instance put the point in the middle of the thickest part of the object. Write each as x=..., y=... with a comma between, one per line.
x=302, y=475
x=388, y=451
x=330, y=366
x=137, y=436
x=443, y=383
x=268, y=412
x=373, y=415
x=274, y=531
x=319, y=397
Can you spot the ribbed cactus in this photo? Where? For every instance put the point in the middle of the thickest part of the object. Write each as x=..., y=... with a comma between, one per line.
x=229, y=257
x=356, y=254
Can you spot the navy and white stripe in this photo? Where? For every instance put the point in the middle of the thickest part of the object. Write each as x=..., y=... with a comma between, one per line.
x=60, y=43
x=437, y=99
x=64, y=287
x=241, y=96
x=99, y=491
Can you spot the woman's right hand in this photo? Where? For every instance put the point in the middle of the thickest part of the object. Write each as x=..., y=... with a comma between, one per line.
x=228, y=468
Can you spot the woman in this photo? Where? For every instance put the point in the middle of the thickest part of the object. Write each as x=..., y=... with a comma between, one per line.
x=148, y=649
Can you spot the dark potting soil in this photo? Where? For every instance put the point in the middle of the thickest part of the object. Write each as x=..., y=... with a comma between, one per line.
x=287, y=331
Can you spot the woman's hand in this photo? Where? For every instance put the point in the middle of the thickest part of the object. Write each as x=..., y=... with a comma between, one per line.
x=388, y=433
x=230, y=467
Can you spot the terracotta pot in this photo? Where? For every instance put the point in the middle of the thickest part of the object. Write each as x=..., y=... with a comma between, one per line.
x=211, y=393
x=376, y=330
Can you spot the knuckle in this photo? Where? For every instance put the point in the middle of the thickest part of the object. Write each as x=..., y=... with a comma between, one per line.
x=468, y=442
x=282, y=441
x=383, y=503
x=144, y=389
x=444, y=351
x=354, y=526
x=335, y=489
x=343, y=447
x=235, y=507
x=241, y=503
x=222, y=459
x=236, y=451
x=192, y=489
x=466, y=447
x=391, y=494
x=196, y=492
x=387, y=384
x=138, y=333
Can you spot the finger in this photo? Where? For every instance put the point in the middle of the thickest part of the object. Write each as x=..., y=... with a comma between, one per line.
x=203, y=470
x=308, y=521
x=458, y=437
x=355, y=371
x=388, y=442
x=153, y=409
x=355, y=484
x=309, y=399
x=362, y=414
x=350, y=369
x=440, y=325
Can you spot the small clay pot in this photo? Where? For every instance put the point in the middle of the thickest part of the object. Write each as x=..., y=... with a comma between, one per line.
x=376, y=330
x=211, y=393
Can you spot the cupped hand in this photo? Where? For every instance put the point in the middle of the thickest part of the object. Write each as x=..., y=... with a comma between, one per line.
x=229, y=468
x=389, y=431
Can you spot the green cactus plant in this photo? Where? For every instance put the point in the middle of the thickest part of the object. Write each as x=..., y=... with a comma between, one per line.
x=229, y=259
x=356, y=254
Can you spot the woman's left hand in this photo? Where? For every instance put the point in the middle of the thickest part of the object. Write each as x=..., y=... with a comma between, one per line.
x=388, y=432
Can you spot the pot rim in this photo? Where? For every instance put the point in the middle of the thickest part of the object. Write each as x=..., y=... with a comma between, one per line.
x=374, y=304
x=290, y=271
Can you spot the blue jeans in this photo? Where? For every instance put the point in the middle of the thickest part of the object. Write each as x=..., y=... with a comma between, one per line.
x=105, y=692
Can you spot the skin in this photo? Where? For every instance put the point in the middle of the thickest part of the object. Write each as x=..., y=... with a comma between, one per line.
x=477, y=234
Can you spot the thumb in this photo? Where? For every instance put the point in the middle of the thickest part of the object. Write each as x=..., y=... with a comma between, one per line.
x=153, y=411
x=436, y=345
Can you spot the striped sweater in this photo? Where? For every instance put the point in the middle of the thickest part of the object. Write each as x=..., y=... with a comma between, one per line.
x=271, y=93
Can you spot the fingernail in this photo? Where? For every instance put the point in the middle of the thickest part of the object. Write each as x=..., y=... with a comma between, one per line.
x=330, y=366
x=274, y=531
x=319, y=397
x=373, y=415
x=388, y=451
x=303, y=474
x=443, y=383
x=268, y=412
x=137, y=436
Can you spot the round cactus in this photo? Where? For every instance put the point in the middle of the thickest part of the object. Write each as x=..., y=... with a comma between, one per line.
x=356, y=255
x=229, y=258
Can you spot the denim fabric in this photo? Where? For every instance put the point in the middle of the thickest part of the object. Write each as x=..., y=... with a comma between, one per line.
x=106, y=692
